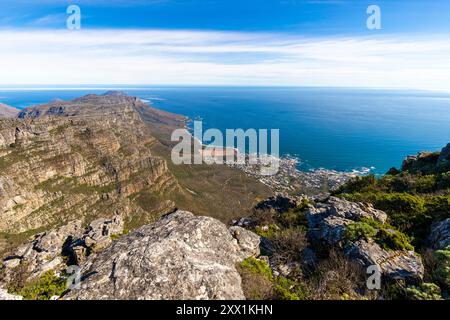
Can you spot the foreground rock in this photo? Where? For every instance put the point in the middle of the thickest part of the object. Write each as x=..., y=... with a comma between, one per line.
x=51, y=250
x=440, y=235
x=182, y=256
x=328, y=223
x=396, y=265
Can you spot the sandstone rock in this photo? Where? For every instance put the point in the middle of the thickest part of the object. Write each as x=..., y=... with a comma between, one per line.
x=247, y=241
x=279, y=203
x=100, y=232
x=327, y=221
x=11, y=262
x=406, y=265
x=182, y=256
x=440, y=235
x=4, y=295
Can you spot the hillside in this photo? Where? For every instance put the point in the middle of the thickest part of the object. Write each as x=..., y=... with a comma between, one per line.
x=97, y=156
x=7, y=111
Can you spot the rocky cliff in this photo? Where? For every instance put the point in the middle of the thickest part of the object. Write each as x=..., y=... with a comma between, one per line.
x=79, y=159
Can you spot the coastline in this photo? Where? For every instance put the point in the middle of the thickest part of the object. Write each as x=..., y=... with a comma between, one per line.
x=289, y=179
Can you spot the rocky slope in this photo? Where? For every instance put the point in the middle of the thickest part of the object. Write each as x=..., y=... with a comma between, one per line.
x=182, y=256
x=78, y=159
x=7, y=111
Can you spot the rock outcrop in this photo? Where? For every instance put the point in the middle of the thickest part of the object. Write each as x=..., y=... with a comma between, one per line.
x=394, y=265
x=327, y=220
x=440, y=235
x=182, y=256
x=55, y=249
x=328, y=223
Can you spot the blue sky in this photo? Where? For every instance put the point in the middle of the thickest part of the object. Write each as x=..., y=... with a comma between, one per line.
x=227, y=42
x=299, y=16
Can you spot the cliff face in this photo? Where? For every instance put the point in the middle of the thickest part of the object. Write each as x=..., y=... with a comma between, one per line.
x=80, y=159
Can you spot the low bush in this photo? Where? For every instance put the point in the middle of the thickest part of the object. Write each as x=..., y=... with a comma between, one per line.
x=359, y=230
x=43, y=288
x=425, y=291
x=258, y=282
x=288, y=245
x=384, y=234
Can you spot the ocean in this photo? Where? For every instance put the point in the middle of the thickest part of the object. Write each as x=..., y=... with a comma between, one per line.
x=332, y=128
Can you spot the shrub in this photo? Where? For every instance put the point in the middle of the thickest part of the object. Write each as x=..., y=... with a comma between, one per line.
x=287, y=289
x=44, y=288
x=383, y=234
x=337, y=278
x=268, y=231
x=358, y=184
x=399, y=202
x=438, y=207
x=393, y=239
x=288, y=245
x=256, y=279
x=442, y=271
x=359, y=230
x=425, y=291
x=259, y=283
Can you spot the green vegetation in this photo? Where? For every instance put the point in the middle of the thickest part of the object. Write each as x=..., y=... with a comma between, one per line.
x=43, y=288
x=425, y=291
x=413, y=197
x=260, y=283
x=441, y=272
x=360, y=230
x=412, y=201
x=384, y=234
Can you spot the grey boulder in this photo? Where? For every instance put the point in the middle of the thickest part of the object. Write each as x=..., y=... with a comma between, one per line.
x=182, y=256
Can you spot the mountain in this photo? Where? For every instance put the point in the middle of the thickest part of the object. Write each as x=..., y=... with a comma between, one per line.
x=7, y=111
x=99, y=156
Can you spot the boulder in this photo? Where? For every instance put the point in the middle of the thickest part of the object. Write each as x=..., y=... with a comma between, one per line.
x=440, y=235
x=182, y=256
x=99, y=232
x=327, y=221
x=278, y=203
x=394, y=265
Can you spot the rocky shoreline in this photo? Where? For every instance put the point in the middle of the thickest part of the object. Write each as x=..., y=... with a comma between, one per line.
x=289, y=179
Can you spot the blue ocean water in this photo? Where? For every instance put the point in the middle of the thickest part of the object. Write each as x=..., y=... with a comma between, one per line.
x=332, y=128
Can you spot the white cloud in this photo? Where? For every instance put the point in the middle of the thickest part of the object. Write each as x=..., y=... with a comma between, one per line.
x=222, y=58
